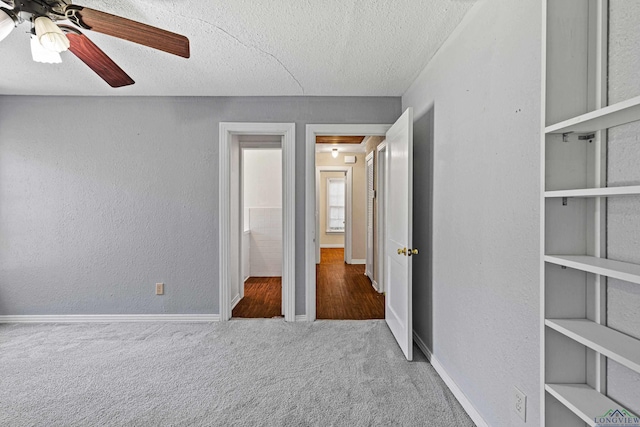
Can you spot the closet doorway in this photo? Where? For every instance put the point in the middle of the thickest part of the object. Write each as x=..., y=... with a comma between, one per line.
x=231, y=219
x=260, y=293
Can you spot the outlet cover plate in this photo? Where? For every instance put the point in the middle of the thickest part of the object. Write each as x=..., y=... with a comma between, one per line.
x=159, y=288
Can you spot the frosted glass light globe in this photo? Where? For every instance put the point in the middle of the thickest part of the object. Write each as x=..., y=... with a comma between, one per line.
x=50, y=35
x=6, y=24
x=40, y=54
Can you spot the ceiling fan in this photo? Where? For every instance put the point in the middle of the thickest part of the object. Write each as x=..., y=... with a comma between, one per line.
x=49, y=39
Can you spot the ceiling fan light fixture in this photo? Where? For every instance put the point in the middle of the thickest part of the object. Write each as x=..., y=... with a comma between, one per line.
x=40, y=54
x=7, y=22
x=50, y=35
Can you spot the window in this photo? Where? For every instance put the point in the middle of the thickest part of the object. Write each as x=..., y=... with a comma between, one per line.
x=335, y=205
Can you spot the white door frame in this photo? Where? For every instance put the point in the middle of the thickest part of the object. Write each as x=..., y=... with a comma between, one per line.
x=312, y=130
x=348, y=233
x=381, y=198
x=288, y=132
x=370, y=257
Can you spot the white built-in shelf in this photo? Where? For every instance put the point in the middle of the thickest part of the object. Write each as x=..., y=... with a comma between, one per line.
x=633, y=190
x=582, y=400
x=613, y=344
x=604, y=118
x=606, y=267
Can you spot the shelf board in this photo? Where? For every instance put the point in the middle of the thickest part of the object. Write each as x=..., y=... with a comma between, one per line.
x=603, y=118
x=606, y=267
x=613, y=344
x=633, y=190
x=582, y=400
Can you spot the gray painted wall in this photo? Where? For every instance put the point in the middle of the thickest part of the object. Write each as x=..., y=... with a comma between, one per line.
x=623, y=219
x=100, y=198
x=477, y=158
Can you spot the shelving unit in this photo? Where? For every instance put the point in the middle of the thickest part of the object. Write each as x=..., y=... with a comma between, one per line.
x=576, y=342
x=582, y=400
x=607, y=117
x=595, y=192
x=613, y=344
x=600, y=266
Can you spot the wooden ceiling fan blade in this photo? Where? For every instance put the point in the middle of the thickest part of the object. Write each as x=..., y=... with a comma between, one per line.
x=127, y=29
x=97, y=60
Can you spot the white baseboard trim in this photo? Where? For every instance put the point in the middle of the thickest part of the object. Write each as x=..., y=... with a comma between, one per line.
x=332, y=246
x=301, y=317
x=458, y=394
x=235, y=301
x=110, y=318
x=375, y=286
x=358, y=261
x=422, y=346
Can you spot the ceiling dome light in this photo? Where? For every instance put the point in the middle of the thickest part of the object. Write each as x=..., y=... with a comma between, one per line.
x=40, y=54
x=50, y=35
x=7, y=22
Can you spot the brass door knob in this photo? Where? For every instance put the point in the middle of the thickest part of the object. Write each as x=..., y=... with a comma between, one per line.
x=402, y=251
x=412, y=252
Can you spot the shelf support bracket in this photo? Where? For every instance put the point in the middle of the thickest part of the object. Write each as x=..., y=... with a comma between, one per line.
x=565, y=200
x=586, y=137
x=565, y=137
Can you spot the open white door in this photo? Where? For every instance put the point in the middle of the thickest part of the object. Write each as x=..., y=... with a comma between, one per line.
x=399, y=226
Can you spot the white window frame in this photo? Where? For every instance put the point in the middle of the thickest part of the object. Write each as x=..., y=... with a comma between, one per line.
x=330, y=230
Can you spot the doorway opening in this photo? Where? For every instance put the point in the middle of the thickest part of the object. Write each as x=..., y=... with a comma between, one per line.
x=260, y=287
x=398, y=220
x=345, y=228
x=234, y=138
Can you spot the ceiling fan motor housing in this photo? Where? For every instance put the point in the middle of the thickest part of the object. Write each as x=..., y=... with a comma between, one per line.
x=51, y=9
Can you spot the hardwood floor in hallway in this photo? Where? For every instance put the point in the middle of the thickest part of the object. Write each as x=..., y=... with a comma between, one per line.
x=343, y=290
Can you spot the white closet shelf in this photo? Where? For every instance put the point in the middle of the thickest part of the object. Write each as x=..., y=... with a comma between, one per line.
x=613, y=344
x=633, y=190
x=606, y=267
x=604, y=118
x=582, y=400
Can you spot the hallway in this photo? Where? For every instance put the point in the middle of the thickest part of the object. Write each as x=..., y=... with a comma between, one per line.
x=343, y=290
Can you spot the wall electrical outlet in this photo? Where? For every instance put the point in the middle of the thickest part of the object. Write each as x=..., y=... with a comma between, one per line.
x=520, y=403
x=159, y=288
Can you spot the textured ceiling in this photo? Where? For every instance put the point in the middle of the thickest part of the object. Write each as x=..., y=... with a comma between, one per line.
x=253, y=48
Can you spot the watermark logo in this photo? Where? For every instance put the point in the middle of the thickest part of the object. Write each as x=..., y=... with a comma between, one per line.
x=617, y=418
